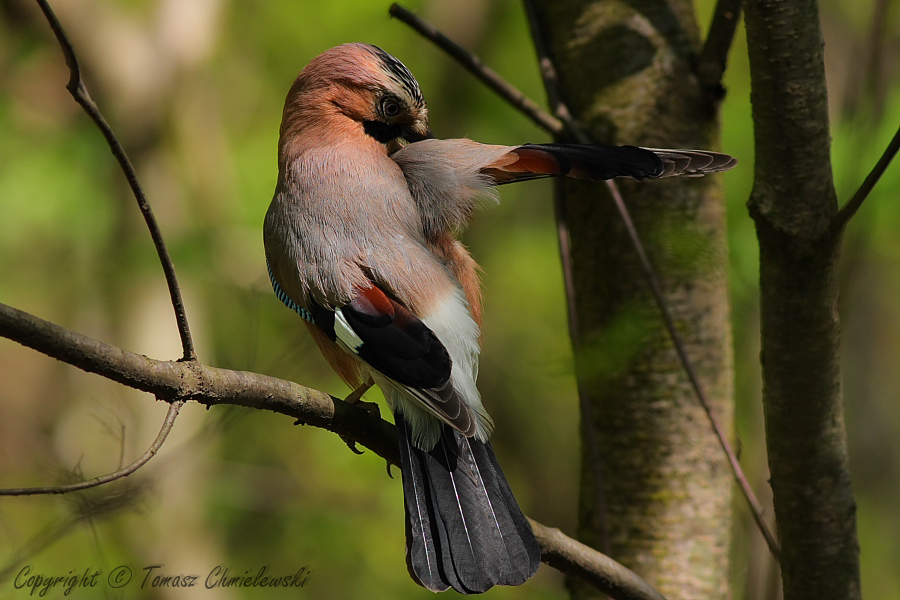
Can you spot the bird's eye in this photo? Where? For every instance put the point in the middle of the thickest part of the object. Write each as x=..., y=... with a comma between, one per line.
x=390, y=107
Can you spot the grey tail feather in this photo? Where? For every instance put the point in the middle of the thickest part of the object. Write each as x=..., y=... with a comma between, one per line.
x=464, y=528
x=692, y=163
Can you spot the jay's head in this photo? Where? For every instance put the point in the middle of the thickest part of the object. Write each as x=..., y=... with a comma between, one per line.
x=355, y=89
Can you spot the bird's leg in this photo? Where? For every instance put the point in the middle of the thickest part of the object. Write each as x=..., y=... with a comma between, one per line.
x=355, y=398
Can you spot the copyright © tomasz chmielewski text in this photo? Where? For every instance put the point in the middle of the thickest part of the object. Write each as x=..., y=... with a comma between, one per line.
x=35, y=582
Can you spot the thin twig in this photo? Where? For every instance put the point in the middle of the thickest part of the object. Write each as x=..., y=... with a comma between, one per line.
x=848, y=210
x=484, y=73
x=653, y=279
x=177, y=381
x=79, y=92
x=714, y=56
x=551, y=80
x=561, y=213
x=77, y=88
x=149, y=453
x=567, y=555
x=756, y=507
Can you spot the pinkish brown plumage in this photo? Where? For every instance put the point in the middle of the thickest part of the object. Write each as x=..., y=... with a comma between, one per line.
x=360, y=241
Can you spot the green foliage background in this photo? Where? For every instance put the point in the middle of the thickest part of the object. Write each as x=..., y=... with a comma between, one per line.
x=195, y=90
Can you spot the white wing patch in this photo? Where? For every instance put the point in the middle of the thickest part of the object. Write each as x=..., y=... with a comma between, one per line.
x=344, y=332
x=452, y=323
x=454, y=326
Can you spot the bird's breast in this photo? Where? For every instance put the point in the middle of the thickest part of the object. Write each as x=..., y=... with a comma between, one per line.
x=341, y=219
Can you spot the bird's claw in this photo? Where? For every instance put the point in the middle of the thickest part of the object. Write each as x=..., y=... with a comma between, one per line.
x=355, y=398
x=351, y=443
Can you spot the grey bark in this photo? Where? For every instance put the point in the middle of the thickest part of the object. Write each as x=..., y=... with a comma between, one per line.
x=795, y=209
x=656, y=488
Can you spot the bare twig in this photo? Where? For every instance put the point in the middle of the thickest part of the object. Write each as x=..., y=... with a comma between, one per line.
x=551, y=80
x=714, y=56
x=756, y=507
x=576, y=559
x=179, y=381
x=560, y=210
x=77, y=88
x=484, y=73
x=848, y=210
x=549, y=76
x=653, y=279
x=174, y=407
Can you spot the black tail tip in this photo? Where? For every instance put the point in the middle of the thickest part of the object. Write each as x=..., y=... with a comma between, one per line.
x=464, y=529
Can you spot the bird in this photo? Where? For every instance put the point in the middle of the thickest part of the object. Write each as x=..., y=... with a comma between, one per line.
x=361, y=241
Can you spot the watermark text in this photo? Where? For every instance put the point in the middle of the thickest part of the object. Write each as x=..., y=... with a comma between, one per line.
x=34, y=582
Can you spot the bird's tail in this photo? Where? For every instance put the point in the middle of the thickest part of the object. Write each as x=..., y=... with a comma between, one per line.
x=463, y=527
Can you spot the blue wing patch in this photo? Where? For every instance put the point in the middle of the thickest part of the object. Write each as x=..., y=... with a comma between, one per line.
x=282, y=295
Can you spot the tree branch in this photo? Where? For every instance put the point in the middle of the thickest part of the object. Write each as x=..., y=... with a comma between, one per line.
x=574, y=558
x=714, y=56
x=77, y=88
x=190, y=380
x=853, y=205
x=482, y=72
x=180, y=381
x=794, y=206
x=149, y=453
x=756, y=508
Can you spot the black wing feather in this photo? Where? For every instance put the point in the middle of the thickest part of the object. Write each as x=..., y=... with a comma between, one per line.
x=399, y=345
x=396, y=343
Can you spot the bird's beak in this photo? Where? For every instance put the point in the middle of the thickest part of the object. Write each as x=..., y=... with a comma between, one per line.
x=417, y=135
x=394, y=145
x=410, y=136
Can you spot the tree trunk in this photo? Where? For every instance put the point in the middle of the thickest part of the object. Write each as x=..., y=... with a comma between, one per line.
x=795, y=209
x=656, y=487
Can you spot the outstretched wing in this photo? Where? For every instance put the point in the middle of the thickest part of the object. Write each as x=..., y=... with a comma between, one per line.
x=603, y=162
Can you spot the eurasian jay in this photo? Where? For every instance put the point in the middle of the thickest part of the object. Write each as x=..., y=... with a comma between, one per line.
x=360, y=242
